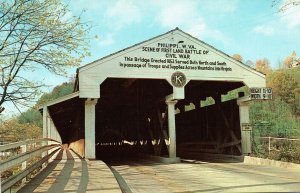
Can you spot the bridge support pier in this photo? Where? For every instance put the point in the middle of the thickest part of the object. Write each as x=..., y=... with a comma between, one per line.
x=172, y=127
x=90, y=119
x=245, y=128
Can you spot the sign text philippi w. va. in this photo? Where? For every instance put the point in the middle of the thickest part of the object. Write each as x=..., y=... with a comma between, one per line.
x=177, y=56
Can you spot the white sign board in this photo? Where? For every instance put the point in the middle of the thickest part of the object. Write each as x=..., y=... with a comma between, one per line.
x=246, y=127
x=264, y=93
x=175, y=56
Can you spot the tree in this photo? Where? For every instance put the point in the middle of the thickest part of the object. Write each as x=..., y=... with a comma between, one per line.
x=290, y=60
x=284, y=86
x=57, y=92
x=285, y=5
x=33, y=116
x=238, y=57
x=263, y=66
x=36, y=33
x=12, y=131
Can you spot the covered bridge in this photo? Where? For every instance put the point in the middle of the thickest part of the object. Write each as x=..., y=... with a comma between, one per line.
x=142, y=96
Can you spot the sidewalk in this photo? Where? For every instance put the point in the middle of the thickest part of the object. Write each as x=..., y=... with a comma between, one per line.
x=69, y=173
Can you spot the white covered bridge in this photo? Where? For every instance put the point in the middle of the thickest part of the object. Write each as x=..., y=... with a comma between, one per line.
x=136, y=99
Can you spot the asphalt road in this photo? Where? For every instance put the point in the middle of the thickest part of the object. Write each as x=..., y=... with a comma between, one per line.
x=199, y=176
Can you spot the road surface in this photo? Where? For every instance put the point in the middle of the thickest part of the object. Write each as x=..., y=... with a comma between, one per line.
x=198, y=176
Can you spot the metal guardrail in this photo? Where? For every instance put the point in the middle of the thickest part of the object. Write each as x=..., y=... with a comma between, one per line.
x=21, y=158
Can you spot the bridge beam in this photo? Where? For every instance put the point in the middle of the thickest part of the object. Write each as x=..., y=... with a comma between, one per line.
x=90, y=119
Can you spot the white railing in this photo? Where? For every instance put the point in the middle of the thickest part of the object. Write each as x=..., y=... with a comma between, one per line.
x=29, y=149
x=270, y=139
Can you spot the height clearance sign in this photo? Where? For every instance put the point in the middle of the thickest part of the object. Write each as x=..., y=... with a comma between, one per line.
x=264, y=93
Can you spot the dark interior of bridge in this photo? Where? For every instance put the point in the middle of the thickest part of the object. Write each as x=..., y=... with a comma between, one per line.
x=131, y=118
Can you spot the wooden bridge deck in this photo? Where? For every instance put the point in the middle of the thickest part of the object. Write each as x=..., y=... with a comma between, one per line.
x=69, y=173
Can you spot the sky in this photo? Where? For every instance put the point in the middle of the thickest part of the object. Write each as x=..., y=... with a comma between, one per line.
x=255, y=29
x=252, y=28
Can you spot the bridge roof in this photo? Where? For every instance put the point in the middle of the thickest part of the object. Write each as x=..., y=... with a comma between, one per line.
x=160, y=57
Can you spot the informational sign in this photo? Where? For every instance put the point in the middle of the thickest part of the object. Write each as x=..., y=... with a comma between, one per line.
x=174, y=56
x=161, y=58
x=261, y=93
x=246, y=127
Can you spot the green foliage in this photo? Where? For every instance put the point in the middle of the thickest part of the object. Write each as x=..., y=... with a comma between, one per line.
x=288, y=151
x=282, y=150
x=33, y=116
x=284, y=86
x=295, y=73
x=278, y=117
x=273, y=118
x=59, y=91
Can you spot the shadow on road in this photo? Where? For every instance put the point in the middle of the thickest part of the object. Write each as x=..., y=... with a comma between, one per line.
x=52, y=179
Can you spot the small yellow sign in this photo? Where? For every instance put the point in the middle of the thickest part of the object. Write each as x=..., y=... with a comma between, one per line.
x=246, y=127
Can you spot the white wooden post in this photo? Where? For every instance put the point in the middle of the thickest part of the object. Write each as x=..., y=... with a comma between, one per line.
x=172, y=127
x=24, y=164
x=45, y=130
x=269, y=145
x=245, y=134
x=49, y=133
x=90, y=119
x=45, y=124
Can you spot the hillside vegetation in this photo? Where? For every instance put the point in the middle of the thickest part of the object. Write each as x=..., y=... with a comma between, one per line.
x=279, y=117
x=29, y=124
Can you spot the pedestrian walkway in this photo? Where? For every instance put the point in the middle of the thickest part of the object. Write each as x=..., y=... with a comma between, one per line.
x=69, y=173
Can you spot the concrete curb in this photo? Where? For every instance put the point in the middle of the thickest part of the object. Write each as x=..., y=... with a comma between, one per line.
x=165, y=160
x=205, y=156
x=247, y=160
x=268, y=162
